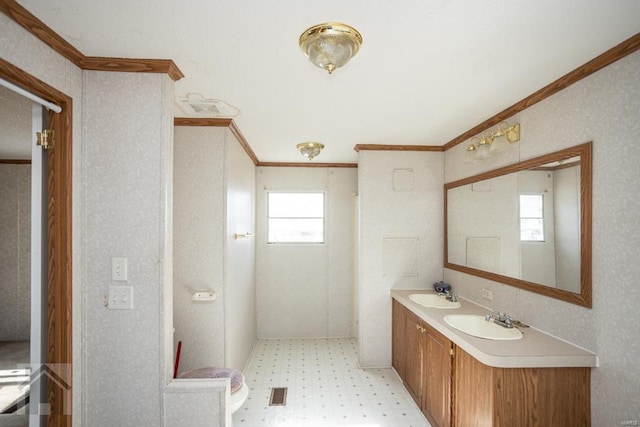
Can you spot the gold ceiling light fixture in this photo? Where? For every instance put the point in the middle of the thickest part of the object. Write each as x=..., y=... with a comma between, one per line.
x=330, y=45
x=310, y=149
x=484, y=146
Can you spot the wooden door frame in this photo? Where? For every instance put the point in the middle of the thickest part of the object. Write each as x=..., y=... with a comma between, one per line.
x=59, y=216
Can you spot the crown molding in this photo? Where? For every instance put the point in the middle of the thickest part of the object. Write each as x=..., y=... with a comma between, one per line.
x=612, y=55
x=39, y=29
x=391, y=147
x=24, y=18
x=164, y=66
x=307, y=165
x=218, y=122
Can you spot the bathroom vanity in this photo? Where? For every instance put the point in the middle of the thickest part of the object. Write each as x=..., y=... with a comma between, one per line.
x=461, y=380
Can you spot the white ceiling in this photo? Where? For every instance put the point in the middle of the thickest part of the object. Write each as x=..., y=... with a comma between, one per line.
x=428, y=70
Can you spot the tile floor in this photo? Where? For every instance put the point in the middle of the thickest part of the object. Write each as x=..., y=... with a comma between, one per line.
x=324, y=388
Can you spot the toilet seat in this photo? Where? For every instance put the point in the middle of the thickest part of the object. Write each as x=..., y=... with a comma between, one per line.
x=239, y=389
x=236, y=377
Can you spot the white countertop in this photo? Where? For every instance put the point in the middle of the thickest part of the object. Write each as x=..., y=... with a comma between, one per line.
x=535, y=349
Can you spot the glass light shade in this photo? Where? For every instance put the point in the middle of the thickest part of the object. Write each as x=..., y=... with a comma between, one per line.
x=330, y=45
x=499, y=144
x=470, y=155
x=310, y=149
x=483, y=148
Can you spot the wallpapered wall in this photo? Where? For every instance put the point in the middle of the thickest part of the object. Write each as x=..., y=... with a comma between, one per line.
x=198, y=209
x=23, y=50
x=400, y=238
x=603, y=108
x=305, y=290
x=127, y=165
x=15, y=252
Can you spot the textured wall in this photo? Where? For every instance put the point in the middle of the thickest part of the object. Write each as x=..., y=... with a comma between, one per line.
x=126, y=215
x=15, y=252
x=15, y=217
x=305, y=290
x=15, y=122
x=401, y=238
x=213, y=198
x=567, y=224
x=23, y=50
x=492, y=203
x=538, y=259
x=603, y=108
x=240, y=255
x=198, y=216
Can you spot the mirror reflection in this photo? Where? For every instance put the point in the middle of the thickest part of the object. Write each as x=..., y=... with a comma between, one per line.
x=521, y=225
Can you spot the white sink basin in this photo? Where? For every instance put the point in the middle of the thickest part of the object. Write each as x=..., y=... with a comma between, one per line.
x=433, y=301
x=481, y=328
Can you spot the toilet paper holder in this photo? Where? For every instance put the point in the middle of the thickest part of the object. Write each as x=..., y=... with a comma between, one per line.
x=203, y=296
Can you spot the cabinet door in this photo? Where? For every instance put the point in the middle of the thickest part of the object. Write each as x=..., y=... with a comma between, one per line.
x=436, y=403
x=413, y=368
x=399, y=340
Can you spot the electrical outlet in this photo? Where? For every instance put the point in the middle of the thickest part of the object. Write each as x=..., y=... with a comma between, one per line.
x=120, y=297
x=487, y=294
x=119, y=269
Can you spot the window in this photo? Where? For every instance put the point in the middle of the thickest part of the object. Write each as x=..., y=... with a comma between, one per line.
x=531, y=218
x=295, y=217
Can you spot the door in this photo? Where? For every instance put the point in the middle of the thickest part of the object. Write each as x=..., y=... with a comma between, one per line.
x=398, y=339
x=23, y=258
x=413, y=363
x=59, y=248
x=437, y=375
x=39, y=170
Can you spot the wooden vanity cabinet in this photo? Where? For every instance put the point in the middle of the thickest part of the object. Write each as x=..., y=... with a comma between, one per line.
x=414, y=345
x=398, y=338
x=452, y=388
x=422, y=358
x=546, y=397
x=436, y=399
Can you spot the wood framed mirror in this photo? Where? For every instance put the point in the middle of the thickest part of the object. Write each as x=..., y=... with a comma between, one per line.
x=526, y=225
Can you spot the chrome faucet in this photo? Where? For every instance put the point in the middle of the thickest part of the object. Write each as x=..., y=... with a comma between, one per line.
x=451, y=296
x=502, y=319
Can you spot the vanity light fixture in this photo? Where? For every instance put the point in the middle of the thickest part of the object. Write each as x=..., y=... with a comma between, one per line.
x=483, y=146
x=310, y=149
x=330, y=45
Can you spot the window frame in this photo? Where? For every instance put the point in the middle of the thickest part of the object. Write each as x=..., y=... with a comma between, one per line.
x=324, y=218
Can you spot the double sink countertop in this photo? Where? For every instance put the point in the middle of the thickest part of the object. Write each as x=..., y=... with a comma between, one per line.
x=535, y=349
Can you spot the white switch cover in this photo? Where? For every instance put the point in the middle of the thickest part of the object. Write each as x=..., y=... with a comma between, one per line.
x=487, y=294
x=119, y=269
x=120, y=297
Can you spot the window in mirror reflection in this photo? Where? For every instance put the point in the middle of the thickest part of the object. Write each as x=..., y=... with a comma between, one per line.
x=532, y=217
x=527, y=225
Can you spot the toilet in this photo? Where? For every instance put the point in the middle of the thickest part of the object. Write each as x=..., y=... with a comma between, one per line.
x=239, y=389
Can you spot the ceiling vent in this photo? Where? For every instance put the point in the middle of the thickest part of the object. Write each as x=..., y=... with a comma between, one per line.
x=195, y=105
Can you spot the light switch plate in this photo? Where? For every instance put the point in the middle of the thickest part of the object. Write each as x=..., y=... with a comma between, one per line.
x=119, y=269
x=120, y=297
x=487, y=294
